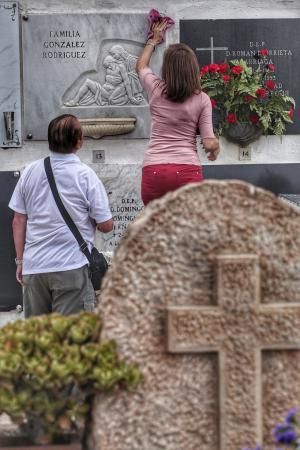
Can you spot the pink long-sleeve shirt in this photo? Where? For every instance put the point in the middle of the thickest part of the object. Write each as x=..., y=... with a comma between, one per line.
x=174, y=125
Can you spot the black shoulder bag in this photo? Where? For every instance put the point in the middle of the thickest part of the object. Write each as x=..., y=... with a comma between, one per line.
x=97, y=262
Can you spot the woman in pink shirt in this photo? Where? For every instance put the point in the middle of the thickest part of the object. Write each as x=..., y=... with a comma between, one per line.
x=178, y=109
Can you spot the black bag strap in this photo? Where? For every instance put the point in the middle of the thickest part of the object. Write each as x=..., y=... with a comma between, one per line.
x=66, y=216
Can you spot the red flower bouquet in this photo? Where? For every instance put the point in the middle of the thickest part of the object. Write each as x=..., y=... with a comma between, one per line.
x=240, y=94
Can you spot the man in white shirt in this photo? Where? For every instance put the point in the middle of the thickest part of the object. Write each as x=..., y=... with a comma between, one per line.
x=50, y=264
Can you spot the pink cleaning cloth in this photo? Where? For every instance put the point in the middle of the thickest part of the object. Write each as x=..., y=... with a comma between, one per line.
x=155, y=16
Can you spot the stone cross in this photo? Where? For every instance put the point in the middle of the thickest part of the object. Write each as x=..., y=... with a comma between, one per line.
x=239, y=328
x=247, y=319
x=212, y=49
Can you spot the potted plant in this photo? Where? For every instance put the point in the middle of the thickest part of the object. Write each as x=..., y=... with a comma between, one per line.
x=246, y=101
x=51, y=367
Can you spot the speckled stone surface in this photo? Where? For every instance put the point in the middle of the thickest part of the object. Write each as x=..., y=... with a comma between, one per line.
x=219, y=264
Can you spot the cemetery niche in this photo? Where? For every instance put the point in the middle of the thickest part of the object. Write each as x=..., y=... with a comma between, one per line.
x=124, y=199
x=85, y=65
x=215, y=41
x=277, y=178
x=11, y=292
x=203, y=293
x=10, y=84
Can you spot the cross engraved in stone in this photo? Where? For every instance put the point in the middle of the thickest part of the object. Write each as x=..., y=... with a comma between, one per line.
x=239, y=328
x=211, y=49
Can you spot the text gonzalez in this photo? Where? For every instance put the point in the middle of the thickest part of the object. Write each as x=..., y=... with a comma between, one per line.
x=57, y=40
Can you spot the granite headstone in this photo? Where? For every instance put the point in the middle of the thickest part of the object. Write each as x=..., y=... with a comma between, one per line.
x=227, y=39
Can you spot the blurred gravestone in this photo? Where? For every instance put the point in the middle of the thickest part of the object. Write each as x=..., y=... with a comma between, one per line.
x=204, y=293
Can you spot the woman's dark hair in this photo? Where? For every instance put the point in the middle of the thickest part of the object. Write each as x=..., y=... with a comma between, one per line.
x=63, y=133
x=180, y=72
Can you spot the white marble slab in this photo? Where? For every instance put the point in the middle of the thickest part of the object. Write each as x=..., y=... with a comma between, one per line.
x=123, y=186
x=84, y=64
x=10, y=86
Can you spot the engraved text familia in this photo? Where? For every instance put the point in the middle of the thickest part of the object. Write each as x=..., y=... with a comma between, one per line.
x=64, y=44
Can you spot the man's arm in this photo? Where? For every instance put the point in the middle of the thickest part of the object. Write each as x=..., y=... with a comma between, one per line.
x=19, y=232
x=106, y=226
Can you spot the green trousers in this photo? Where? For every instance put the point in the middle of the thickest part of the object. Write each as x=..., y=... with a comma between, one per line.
x=66, y=293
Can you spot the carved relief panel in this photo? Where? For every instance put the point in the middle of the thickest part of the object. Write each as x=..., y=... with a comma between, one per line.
x=84, y=65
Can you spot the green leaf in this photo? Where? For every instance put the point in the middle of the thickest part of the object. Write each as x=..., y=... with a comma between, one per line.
x=279, y=127
x=65, y=362
x=289, y=100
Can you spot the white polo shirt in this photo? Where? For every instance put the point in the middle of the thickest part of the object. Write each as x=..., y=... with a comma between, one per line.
x=50, y=246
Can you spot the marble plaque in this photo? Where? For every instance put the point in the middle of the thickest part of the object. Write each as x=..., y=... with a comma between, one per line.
x=84, y=64
x=217, y=40
x=123, y=186
x=10, y=87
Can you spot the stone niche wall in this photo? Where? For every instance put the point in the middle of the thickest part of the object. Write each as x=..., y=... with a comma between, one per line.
x=266, y=150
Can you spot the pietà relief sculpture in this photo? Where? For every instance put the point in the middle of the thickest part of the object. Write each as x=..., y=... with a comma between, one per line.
x=121, y=84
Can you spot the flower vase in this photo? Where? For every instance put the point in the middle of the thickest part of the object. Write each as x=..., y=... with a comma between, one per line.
x=243, y=133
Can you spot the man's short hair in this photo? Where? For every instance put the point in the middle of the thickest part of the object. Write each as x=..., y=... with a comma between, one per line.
x=63, y=133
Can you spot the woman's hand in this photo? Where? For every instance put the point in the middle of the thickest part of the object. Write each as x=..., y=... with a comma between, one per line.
x=212, y=154
x=158, y=29
x=211, y=146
